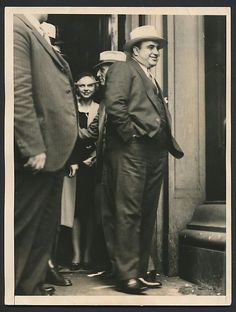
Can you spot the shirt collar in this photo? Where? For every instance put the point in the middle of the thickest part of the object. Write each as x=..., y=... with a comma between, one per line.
x=144, y=68
x=37, y=25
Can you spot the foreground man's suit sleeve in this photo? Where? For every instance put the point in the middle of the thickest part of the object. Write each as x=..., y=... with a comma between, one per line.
x=45, y=106
x=27, y=128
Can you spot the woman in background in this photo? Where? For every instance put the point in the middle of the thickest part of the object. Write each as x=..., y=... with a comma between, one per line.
x=84, y=169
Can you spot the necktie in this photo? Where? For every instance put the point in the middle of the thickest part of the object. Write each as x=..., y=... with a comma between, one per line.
x=45, y=35
x=150, y=76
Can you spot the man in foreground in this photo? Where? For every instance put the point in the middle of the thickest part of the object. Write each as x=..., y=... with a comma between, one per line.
x=96, y=131
x=45, y=129
x=138, y=138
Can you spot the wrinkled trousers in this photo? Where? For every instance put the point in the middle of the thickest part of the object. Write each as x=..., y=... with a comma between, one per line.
x=131, y=184
x=37, y=215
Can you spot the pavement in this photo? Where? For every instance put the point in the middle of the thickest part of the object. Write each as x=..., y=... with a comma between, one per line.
x=94, y=290
x=87, y=284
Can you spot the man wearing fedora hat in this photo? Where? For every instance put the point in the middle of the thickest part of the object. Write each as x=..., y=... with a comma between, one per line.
x=96, y=131
x=106, y=58
x=97, y=126
x=138, y=139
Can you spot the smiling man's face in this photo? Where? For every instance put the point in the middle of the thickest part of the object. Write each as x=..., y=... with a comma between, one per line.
x=147, y=53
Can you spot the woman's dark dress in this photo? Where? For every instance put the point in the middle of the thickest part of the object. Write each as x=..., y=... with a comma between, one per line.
x=84, y=207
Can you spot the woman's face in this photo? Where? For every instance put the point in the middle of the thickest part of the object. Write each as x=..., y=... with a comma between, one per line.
x=86, y=87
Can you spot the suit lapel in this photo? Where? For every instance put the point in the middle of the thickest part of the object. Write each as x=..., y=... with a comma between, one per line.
x=42, y=41
x=102, y=116
x=147, y=84
x=65, y=65
x=149, y=90
x=164, y=103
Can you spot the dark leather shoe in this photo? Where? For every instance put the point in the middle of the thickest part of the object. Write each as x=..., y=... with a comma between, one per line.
x=151, y=280
x=45, y=290
x=56, y=278
x=131, y=286
x=75, y=266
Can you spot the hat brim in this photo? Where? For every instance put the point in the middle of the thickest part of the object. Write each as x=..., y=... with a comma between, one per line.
x=103, y=62
x=129, y=44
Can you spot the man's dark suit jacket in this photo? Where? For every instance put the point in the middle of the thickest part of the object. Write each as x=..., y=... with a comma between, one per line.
x=45, y=112
x=131, y=104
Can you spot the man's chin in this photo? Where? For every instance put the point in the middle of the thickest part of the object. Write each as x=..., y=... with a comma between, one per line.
x=153, y=63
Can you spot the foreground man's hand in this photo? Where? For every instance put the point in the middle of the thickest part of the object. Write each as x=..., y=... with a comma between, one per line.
x=36, y=162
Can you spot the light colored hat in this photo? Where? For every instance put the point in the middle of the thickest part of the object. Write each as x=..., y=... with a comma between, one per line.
x=110, y=57
x=144, y=33
x=49, y=29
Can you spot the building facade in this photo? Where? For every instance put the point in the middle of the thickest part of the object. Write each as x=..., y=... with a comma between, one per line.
x=190, y=236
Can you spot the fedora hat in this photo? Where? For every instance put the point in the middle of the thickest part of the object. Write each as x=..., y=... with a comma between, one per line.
x=142, y=33
x=110, y=57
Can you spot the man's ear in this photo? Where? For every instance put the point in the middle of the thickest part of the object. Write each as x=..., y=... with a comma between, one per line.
x=135, y=50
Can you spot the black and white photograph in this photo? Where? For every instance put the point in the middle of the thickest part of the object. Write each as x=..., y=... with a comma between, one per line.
x=117, y=153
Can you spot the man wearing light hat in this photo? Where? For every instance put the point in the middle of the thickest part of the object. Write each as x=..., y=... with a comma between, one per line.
x=96, y=128
x=96, y=131
x=107, y=58
x=138, y=139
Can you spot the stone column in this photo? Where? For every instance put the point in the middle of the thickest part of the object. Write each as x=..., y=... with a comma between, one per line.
x=186, y=97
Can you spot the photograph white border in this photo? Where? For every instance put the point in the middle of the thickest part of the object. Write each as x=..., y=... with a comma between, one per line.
x=9, y=166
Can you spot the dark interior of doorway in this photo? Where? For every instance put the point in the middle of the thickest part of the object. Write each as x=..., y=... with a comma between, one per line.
x=81, y=38
x=215, y=71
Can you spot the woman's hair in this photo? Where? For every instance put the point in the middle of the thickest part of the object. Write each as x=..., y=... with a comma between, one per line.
x=85, y=74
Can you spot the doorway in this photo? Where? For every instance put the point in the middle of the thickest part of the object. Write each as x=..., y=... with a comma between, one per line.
x=81, y=38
